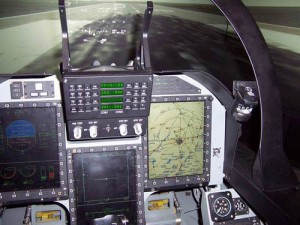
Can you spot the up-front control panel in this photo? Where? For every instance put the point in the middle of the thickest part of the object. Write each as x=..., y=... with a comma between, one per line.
x=106, y=106
x=102, y=97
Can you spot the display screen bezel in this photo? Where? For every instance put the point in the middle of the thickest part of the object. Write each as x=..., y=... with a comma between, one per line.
x=136, y=149
x=191, y=179
x=46, y=193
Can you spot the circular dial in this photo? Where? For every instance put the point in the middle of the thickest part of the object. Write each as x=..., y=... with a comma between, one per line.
x=27, y=171
x=77, y=132
x=123, y=129
x=21, y=135
x=93, y=131
x=222, y=206
x=8, y=172
x=138, y=128
x=240, y=206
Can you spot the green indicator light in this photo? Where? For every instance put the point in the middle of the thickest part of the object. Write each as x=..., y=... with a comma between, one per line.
x=111, y=92
x=43, y=173
x=112, y=85
x=115, y=106
x=109, y=100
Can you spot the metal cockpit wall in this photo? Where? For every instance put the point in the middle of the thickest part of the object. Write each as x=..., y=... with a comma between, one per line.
x=142, y=60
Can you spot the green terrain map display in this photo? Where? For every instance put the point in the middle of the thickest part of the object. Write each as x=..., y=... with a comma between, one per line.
x=176, y=139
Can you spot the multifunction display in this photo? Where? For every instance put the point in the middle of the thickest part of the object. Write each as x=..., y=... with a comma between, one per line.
x=105, y=182
x=178, y=141
x=113, y=173
x=28, y=149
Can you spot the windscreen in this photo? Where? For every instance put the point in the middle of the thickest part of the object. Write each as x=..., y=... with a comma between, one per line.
x=106, y=35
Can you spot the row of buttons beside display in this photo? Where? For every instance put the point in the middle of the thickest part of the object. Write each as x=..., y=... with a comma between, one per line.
x=89, y=94
x=78, y=87
x=39, y=94
x=32, y=94
x=103, y=108
x=74, y=102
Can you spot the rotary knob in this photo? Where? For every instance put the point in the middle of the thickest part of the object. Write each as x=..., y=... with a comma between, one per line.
x=93, y=131
x=138, y=128
x=123, y=129
x=77, y=132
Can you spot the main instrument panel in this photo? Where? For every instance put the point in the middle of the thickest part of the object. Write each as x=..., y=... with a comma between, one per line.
x=126, y=154
x=128, y=164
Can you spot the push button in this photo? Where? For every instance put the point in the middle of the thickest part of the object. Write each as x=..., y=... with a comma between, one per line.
x=137, y=85
x=129, y=85
x=144, y=85
x=79, y=87
x=72, y=87
x=38, y=86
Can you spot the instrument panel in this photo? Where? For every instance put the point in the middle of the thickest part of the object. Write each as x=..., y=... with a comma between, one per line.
x=111, y=178
x=32, y=142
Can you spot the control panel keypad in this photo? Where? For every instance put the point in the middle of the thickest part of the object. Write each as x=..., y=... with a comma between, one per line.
x=94, y=97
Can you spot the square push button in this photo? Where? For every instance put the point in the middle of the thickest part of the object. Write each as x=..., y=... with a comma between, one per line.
x=38, y=86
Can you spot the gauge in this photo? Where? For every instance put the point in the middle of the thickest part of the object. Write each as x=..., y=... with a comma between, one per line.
x=8, y=172
x=21, y=135
x=222, y=206
x=27, y=171
x=240, y=207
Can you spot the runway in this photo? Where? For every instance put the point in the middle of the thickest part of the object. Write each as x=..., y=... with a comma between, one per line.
x=193, y=37
x=180, y=39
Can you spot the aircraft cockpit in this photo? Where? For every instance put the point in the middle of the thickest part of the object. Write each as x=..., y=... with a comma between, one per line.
x=141, y=114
